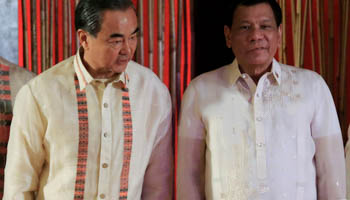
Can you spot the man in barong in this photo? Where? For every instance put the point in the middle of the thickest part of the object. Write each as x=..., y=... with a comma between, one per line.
x=257, y=129
x=97, y=125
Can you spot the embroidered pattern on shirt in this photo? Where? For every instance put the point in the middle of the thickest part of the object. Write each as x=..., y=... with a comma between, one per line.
x=237, y=179
x=279, y=96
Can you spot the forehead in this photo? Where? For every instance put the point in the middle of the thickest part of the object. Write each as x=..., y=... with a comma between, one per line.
x=121, y=21
x=261, y=11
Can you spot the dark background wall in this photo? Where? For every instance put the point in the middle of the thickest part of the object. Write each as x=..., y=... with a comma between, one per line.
x=210, y=49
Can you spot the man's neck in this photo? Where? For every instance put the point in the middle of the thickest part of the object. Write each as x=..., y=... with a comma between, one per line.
x=255, y=72
x=97, y=73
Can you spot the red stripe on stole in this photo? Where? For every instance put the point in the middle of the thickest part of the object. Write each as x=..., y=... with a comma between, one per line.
x=6, y=96
x=5, y=87
x=83, y=142
x=4, y=77
x=127, y=122
x=5, y=116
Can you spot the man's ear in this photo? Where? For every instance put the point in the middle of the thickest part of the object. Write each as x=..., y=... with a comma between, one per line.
x=227, y=32
x=83, y=38
x=279, y=36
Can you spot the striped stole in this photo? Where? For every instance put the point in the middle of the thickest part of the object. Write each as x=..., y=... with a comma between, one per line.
x=83, y=143
x=5, y=119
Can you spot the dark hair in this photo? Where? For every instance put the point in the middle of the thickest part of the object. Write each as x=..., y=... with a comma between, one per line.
x=231, y=8
x=89, y=13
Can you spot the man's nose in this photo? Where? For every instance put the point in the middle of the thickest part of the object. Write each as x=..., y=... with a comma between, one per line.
x=126, y=48
x=255, y=34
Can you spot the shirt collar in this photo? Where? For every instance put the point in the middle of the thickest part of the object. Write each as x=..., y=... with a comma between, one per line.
x=85, y=78
x=276, y=71
x=235, y=73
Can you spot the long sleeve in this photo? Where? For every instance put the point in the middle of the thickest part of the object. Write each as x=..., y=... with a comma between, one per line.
x=158, y=179
x=329, y=157
x=26, y=154
x=191, y=150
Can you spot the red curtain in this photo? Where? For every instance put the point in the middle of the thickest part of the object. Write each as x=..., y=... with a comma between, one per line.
x=315, y=36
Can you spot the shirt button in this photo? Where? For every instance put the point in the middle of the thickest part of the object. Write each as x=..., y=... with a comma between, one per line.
x=258, y=119
x=260, y=145
x=244, y=76
x=257, y=95
x=105, y=105
x=105, y=134
x=104, y=165
x=263, y=189
x=102, y=196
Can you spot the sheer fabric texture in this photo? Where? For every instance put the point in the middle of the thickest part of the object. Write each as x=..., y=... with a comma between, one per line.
x=279, y=139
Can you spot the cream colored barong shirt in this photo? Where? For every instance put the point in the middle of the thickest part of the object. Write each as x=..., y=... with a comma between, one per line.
x=43, y=146
x=279, y=139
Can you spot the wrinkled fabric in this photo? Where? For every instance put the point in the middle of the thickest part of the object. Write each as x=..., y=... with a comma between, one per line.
x=43, y=146
x=279, y=139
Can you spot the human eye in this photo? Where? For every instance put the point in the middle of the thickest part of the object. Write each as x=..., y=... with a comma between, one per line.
x=119, y=41
x=116, y=42
x=133, y=37
x=266, y=26
x=244, y=27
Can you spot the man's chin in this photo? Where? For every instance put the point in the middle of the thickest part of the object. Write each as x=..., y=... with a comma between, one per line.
x=120, y=68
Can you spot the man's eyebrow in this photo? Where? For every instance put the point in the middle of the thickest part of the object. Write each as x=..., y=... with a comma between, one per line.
x=267, y=20
x=263, y=20
x=117, y=35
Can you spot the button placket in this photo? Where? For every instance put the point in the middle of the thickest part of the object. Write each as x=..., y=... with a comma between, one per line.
x=106, y=144
x=260, y=141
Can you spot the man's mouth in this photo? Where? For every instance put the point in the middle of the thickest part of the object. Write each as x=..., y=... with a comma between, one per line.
x=257, y=49
x=123, y=60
